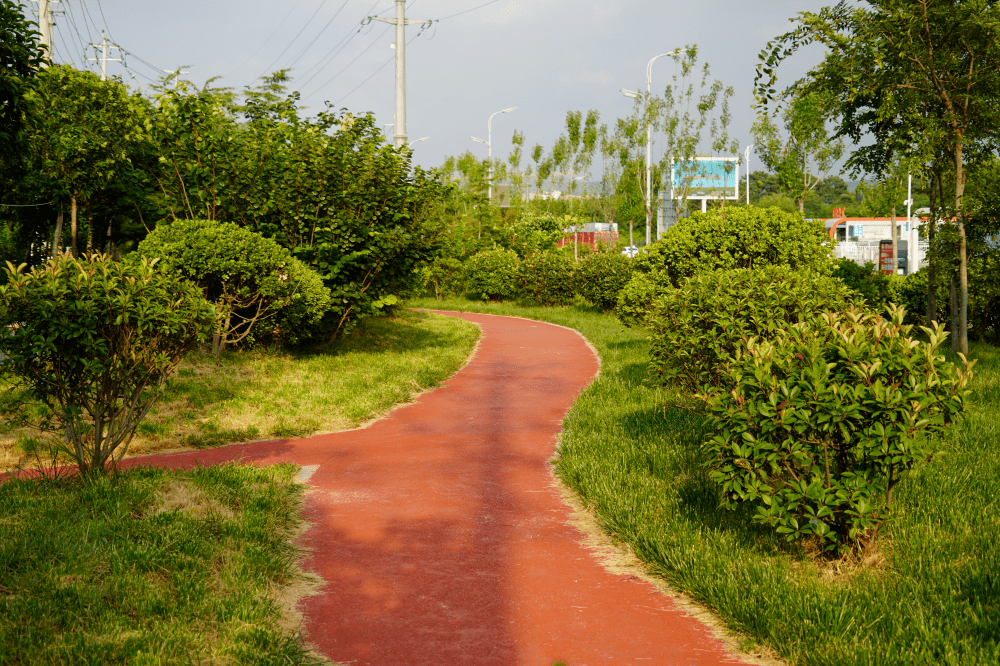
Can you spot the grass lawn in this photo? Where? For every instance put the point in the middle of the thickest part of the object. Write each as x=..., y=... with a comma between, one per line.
x=152, y=567
x=930, y=596
x=266, y=394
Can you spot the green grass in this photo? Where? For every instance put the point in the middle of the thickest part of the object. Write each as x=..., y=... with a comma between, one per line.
x=931, y=596
x=151, y=567
x=273, y=394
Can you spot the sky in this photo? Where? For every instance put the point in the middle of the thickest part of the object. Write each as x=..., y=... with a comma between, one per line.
x=544, y=57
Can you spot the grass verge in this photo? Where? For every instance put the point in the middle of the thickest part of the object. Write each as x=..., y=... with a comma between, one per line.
x=267, y=394
x=151, y=566
x=931, y=596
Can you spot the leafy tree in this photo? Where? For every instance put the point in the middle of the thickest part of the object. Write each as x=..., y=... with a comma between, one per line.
x=805, y=152
x=92, y=341
x=21, y=56
x=920, y=76
x=81, y=133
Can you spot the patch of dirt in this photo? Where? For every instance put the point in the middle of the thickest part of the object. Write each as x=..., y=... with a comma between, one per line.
x=178, y=495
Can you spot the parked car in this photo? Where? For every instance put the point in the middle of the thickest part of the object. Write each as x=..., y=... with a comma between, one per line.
x=631, y=251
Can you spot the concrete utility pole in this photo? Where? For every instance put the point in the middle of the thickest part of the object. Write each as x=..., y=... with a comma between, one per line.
x=104, y=55
x=399, y=124
x=177, y=74
x=45, y=25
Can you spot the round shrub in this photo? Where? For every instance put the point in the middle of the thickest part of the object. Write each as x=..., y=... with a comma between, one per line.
x=737, y=237
x=636, y=298
x=492, y=274
x=700, y=327
x=546, y=278
x=250, y=278
x=825, y=419
x=299, y=321
x=601, y=276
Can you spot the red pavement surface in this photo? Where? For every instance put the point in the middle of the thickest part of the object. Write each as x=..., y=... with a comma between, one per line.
x=441, y=538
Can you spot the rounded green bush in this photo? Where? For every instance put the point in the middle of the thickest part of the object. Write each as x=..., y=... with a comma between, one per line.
x=825, y=419
x=492, y=274
x=700, y=327
x=546, y=278
x=600, y=278
x=636, y=298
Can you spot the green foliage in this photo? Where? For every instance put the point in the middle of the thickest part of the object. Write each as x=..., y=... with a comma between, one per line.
x=700, y=328
x=866, y=280
x=546, y=278
x=532, y=231
x=827, y=418
x=636, y=298
x=298, y=322
x=249, y=278
x=600, y=277
x=492, y=274
x=737, y=237
x=20, y=59
x=92, y=341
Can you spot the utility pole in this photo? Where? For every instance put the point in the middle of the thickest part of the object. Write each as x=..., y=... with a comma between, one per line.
x=399, y=124
x=177, y=74
x=45, y=24
x=104, y=57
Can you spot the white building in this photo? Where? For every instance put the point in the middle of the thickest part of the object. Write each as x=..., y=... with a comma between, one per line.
x=860, y=239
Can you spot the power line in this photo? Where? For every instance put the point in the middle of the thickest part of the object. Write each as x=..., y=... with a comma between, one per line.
x=466, y=11
x=391, y=58
x=268, y=68
x=273, y=33
x=347, y=39
x=329, y=81
x=319, y=34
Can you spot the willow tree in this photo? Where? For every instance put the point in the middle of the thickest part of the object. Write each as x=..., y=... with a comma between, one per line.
x=921, y=77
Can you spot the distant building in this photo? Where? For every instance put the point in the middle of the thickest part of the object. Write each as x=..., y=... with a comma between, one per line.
x=861, y=239
x=592, y=234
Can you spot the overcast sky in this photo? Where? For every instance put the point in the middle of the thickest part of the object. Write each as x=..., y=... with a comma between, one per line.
x=544, y=57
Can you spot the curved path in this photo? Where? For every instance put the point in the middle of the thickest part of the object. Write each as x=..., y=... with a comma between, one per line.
x=440, y=536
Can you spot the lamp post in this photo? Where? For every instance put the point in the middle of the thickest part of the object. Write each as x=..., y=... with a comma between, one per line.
x=747, y=162
x=489, y=147
x=410, y=144
x=649, y=138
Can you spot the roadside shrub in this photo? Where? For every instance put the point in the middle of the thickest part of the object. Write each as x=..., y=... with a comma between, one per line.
x=636, y=298
x=600, y=278
x=700, y=328
x=737, y=237
x=492, y=274
x=546, y=278
x=89, y=343
x=865, y=280
x=250, y=278
x=827, y=418
x=442, y=277
x=298, y=322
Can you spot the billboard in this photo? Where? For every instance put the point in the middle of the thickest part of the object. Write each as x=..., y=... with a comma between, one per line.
x=706, y=178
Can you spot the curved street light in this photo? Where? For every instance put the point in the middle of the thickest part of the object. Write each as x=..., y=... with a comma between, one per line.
x=649, y=137
x=489, y=147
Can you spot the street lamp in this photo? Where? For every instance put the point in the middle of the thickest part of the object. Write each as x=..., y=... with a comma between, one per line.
x=649, y=138
x=489, y=147
x=417, y=141
x=747, y=161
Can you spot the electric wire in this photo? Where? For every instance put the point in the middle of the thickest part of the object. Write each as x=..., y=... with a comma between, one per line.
x=340, y=46
x=331, y=79
x=466, y=11
x=319, y=34
x=294, y=39
x=273, y=33
x=391, y=58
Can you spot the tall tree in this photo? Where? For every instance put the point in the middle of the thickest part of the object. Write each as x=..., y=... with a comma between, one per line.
x=919, y=76
x=805, y=153
x=21, y=57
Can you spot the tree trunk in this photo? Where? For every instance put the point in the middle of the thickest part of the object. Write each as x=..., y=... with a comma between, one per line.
x=953, y=311
x=802, y=204
x=72, y=225
x=931, y=262
x=963, y=266
x=57, y=236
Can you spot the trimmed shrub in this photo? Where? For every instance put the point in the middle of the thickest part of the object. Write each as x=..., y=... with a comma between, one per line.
x=89, y=343
x=637, y=296
x=299, y=321
x=546, y=278
x=250, y=278
x=492, y=274
x=737, y=237
x=600, y=278
x=827, y=418
x=701, y=327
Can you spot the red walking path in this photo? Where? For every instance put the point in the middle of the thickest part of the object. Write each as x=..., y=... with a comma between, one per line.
x=441, y=538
